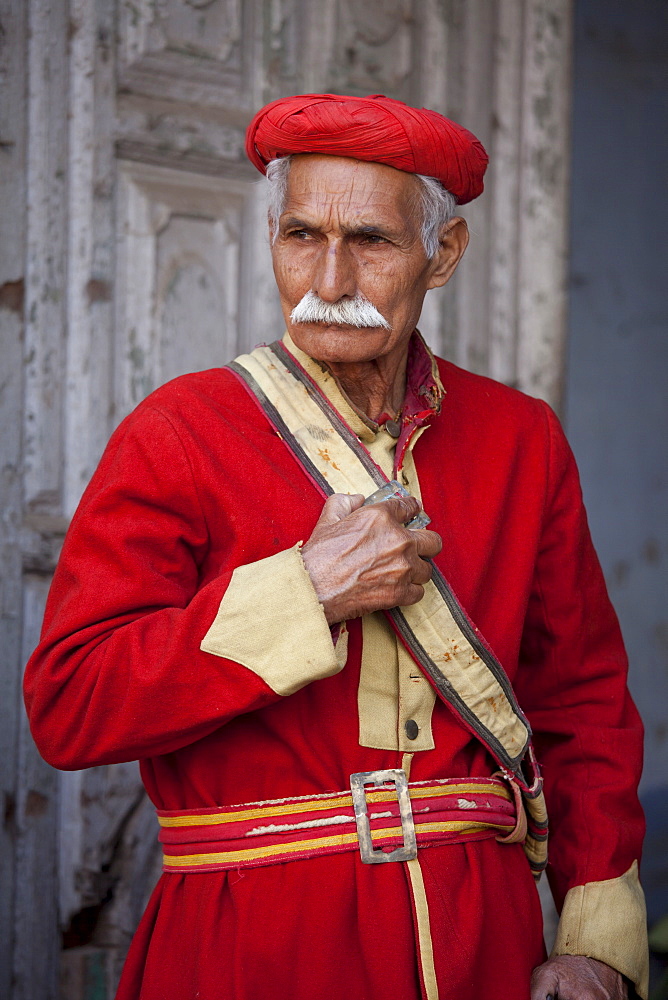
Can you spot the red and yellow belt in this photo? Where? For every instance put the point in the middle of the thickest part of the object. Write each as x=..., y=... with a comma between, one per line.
x=383, y=823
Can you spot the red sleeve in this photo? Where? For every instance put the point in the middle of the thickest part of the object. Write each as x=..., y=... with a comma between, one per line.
x=572, y=685
x=119, y=674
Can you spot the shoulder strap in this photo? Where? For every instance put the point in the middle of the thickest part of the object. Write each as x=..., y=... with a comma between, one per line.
x=436, y=632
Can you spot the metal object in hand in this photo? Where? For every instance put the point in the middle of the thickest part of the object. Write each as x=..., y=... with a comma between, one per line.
x=392, y=490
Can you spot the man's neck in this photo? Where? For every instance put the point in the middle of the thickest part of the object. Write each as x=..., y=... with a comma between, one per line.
x=375, y=387
x=414, y=385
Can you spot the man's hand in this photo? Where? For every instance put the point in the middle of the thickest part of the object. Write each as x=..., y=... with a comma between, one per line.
x=363, y=559
x=572, y=977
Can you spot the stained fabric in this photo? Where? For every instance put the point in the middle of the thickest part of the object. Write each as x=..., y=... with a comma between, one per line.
x=376, y=128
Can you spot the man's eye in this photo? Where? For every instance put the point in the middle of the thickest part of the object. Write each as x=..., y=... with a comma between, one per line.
x=298, y=234
x=373, y=238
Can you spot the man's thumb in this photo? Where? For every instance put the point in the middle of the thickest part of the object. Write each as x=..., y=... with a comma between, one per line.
x=338, y=506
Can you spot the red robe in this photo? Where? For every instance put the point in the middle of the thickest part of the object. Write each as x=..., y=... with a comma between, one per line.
x=195, y=483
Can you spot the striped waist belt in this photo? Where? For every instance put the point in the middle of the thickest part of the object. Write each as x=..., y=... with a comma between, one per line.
x=384, y=824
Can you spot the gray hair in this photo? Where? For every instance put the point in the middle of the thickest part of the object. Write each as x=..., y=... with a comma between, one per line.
x=438, y=205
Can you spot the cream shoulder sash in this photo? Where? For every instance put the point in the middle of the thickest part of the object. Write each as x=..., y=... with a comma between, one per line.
x=437, y=632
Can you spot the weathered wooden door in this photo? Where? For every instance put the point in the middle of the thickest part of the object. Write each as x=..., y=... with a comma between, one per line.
x=134, y=249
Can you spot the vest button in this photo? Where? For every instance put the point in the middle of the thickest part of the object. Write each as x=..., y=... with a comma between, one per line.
x=412, y=729
x=393, y=428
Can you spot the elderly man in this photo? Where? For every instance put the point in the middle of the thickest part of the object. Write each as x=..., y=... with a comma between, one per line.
x=325, y=699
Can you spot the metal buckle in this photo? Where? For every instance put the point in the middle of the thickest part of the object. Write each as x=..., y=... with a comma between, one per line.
x=369, y=855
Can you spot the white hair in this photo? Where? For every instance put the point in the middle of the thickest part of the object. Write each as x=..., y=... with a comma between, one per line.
x=438, y=205
x=357, y=311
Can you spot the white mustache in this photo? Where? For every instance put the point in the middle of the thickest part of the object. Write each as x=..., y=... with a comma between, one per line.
x=357, y=311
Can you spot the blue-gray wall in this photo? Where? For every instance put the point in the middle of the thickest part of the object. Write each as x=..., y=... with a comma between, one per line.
x=616, y=400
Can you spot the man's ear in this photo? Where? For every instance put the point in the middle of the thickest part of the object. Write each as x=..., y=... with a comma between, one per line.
x=453, y=241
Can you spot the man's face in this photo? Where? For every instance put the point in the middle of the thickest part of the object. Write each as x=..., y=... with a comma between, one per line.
x=348, y=227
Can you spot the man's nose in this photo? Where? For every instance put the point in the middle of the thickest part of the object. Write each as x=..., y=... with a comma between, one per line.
x=335, y=276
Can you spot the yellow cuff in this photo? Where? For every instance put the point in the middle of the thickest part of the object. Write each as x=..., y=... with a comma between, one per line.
x=270, y=621
x=607, y=921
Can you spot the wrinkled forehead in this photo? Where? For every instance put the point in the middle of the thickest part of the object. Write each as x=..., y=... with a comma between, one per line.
x=350, y=188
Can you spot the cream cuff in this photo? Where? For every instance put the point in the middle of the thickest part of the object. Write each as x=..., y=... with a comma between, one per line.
x=271, y=622
x=607, y=921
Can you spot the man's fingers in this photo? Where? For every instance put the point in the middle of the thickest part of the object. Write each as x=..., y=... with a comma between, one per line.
x=402, y=509
x=544, y=983
x=414, y=593
x=421, y=572
x=429, y=543
x=338, y=506
x=574, y=977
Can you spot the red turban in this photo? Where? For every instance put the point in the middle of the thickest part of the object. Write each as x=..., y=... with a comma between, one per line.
x=374, y=128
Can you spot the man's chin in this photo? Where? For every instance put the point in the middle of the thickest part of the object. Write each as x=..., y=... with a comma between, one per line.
x=340, y=342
